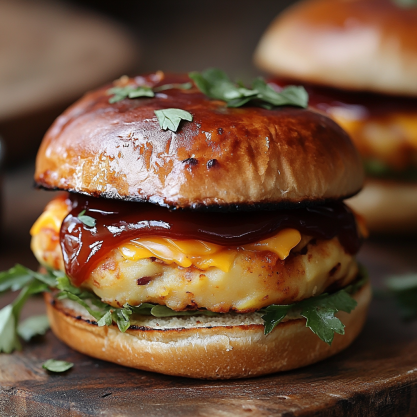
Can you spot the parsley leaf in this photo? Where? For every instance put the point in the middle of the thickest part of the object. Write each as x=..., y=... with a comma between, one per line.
x=274, y=315
x=171, y=118
x=53, y=365
x=14, y=279
x=9, y=316
x=215, y=84
x=404, y=289
x=322, y=321
x=33, y=326
x=18, y=276
x=8, y=336
x=87, y=220
x=130, y=91
x=288, y=96
x=318, y=311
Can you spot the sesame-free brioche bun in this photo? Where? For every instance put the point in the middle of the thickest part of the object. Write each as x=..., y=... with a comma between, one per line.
x=356, y=44
x=388, y=206
x=203, y=347
x=225, y=157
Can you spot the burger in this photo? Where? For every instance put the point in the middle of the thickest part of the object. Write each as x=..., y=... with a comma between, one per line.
x=358, y=61
x=201, y=232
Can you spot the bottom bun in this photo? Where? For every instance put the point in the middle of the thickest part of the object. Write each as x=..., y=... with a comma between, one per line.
x=387, y=206
x=215, y=351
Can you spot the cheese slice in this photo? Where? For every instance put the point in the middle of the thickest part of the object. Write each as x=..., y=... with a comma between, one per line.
x=204, y=255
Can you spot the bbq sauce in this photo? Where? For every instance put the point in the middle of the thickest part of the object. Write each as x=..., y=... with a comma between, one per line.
x=365, y=105
x=118, y=221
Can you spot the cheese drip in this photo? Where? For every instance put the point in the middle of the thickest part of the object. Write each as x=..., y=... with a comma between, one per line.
x=204, y=255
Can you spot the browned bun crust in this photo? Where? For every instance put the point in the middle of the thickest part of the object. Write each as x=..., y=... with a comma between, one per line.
x=387, y=206
x=357, y=44
x=217, y=352
x=224, y=157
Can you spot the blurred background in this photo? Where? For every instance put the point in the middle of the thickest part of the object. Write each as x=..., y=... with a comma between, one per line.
x=51, y=52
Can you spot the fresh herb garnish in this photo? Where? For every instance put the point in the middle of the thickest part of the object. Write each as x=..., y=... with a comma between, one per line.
x=53, y=365
x=33, y=326
x=171, y=118
x=215, y=84
x=9, y=315
x=318, y=311
x=404, y=290
x=132, y=91
x=87, y=220
x=406, y=3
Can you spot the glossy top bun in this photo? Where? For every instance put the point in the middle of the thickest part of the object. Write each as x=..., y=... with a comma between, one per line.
x=225, y=158
x=352, y=44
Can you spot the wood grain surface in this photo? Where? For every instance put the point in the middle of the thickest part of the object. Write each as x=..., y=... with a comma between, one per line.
x=376, y=376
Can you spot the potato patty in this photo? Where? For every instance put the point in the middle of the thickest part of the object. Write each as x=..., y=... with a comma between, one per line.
x=256, y=278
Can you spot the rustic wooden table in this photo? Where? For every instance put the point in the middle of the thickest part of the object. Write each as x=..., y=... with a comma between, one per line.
x=376, y=376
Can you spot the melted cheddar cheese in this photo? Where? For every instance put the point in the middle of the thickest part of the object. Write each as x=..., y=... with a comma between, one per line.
x=204, y=255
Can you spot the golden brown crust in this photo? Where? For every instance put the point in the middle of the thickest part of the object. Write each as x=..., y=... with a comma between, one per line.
x=345, y=44
x=224, y=157
x=220, y=352
x=387, y=206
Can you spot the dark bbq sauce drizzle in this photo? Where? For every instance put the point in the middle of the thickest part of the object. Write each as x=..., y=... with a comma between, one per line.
x=367, y=105
x=118, y=221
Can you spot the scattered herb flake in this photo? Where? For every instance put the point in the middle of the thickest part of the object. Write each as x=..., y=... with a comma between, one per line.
x=53, y=365
x=87, y=220
x=130, y=91
x=33, y=326
x=9, y=340
x=171, y=118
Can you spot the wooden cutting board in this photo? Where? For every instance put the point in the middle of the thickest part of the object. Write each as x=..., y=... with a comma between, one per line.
x=376, y=376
